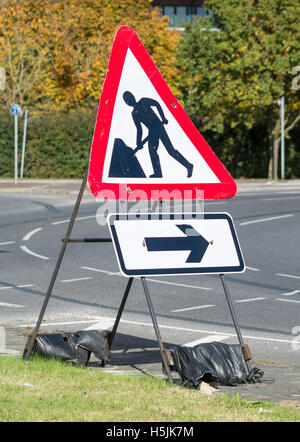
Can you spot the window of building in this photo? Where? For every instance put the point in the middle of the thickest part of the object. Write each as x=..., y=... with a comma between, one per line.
x=180, y=15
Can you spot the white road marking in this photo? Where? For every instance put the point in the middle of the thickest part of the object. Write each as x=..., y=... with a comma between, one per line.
x=281, y=198
x=5, y=304
x=266, y=219
x=25, y=249
x=75, y=279
x=158, y=281
x=25, y=285
x=31, y=233
x=179, y=285
x=288, y=300
x=101, y=271
x=192, y=308
x=77, y=219
x=287, y=276
x=87, y=321
x=206, y=339
x=103, y=324
x=254, y=269
x=291, y=293
x=250, y=299
x=169, y=327
x=16, y=286
x=6, y=243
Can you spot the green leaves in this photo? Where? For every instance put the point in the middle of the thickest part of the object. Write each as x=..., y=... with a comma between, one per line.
x=234, y=76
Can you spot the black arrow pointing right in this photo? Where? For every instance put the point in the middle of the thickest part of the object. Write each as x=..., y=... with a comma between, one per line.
x=193, y=241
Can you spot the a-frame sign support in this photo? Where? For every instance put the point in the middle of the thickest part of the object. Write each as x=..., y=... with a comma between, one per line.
x=31, y=340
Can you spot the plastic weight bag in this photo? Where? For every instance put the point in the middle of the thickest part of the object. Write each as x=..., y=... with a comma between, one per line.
x=75, y=347
x=212, y=362
x=94, y=341
x=53, y=345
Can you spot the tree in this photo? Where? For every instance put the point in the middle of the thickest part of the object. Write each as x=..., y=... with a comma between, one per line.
x=22, y=55
x=56, y=53
x=235, y=75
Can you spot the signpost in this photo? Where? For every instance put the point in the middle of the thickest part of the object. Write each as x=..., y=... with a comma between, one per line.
x=15, y=110
x=281, y=104
x=24, y=143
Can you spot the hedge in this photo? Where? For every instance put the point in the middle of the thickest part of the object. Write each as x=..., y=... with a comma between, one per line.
x=58, y=146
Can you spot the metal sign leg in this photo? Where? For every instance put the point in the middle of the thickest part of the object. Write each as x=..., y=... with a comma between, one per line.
x=121, y=308
x=31, y=340
x=157, y=332
x=245, y=349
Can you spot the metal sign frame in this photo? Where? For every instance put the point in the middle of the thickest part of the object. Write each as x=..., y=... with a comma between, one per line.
x=65, y=241
x=126, y=39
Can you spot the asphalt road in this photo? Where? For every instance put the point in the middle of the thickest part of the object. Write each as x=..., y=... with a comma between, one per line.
x=189, y=309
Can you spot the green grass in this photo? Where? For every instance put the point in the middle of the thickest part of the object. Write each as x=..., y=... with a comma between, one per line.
x=62, y=392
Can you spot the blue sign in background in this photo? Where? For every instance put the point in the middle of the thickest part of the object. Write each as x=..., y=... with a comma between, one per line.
x=15, y=110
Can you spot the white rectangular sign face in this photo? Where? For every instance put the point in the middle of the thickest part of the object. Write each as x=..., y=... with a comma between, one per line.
x=175, y=244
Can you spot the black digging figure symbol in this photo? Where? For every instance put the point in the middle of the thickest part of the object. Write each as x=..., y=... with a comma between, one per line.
x=124, y=163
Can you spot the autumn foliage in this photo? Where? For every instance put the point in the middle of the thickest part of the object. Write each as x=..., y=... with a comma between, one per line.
x=56, y=53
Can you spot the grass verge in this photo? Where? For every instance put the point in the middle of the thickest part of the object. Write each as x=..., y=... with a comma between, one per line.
x=43, y=390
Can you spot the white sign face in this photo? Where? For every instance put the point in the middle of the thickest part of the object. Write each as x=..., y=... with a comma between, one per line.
x=165, y=153
x=174, y=244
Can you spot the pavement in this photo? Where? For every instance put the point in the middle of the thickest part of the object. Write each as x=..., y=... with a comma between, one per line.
x=71, y=186
x=139, y=354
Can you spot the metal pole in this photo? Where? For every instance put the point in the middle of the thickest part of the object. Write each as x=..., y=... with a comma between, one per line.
x=31, y=340
x=88, y=240
x=125, y=296
x=157, y=332
x=121, y=308
x=24, y=143
x=16, y=149
x=282, y=103
x=235, y=322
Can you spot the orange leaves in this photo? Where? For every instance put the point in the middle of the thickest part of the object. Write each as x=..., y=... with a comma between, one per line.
x=74, y=39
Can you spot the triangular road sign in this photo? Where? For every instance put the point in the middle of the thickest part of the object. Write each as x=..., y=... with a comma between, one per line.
x=143, y=140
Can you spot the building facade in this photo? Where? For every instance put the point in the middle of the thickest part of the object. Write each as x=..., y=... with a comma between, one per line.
x=181, y=12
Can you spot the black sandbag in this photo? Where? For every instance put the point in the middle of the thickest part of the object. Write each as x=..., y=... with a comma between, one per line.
x=94, y=341
x=81, y=354
x=61, y=346
x=211, y=362
x=53, y=346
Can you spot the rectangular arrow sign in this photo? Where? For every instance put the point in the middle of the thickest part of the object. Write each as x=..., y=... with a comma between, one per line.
x=174, y=244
